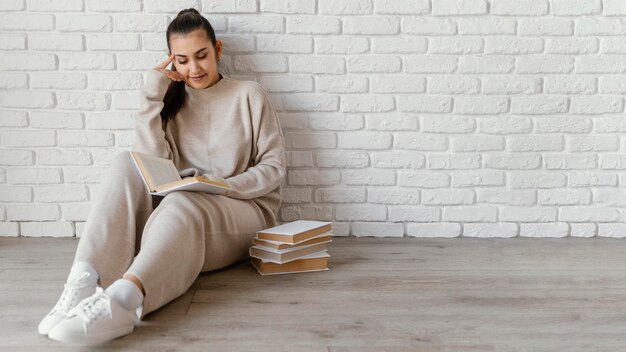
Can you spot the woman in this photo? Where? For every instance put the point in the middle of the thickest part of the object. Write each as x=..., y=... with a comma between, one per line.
x=211, y=126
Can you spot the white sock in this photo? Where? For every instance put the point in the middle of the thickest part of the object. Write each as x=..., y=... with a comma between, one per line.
x=125, y=293
x=82, y=267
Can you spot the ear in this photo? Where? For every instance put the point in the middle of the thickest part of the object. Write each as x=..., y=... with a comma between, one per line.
x=218, y=49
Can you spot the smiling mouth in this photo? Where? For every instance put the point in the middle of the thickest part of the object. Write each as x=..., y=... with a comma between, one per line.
x=197, y=78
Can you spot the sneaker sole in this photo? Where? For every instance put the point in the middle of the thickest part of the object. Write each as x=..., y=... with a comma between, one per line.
x=94, y=339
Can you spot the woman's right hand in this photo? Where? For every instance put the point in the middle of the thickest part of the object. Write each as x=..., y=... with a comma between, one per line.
x=173, y=75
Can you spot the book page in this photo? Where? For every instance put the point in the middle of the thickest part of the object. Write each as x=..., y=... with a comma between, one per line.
x=161, y=170
x=295, y=227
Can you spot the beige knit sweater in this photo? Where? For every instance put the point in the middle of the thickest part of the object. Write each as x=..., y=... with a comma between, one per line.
x=229, y=132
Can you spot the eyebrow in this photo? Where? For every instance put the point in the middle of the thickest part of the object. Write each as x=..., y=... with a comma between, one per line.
x=193, y=53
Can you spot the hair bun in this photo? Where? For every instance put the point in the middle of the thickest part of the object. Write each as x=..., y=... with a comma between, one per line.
x=188, y=11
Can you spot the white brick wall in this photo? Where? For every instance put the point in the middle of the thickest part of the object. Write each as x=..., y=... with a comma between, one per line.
x=425, y=118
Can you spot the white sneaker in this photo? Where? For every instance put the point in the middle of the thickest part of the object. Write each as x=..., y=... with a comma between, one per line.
x=94, y=320
x=74, y=291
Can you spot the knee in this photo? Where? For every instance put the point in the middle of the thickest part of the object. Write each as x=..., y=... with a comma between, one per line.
x=123, y=161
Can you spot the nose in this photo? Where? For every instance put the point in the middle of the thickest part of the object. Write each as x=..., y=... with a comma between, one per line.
x=194, y=67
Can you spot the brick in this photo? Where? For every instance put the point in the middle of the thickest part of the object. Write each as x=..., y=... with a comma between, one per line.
x=456, y=45
x=46, y=229
x=113, y=42
x=26, y=22
x=485, y=230
x=293, y=195
x=13, y=80
x=340, y=195
x=486, y=26
x=346, y=7
x=374, y=63
x=267, y=23
x=346, y=44
x=141, y=23
x=423, y=179
x=342, y=84
x=424, y=25
x=33, y=212
x=280, y=6
x=313, y=177
x=402, y=7
x=13, y=118
x=310, y=25
x=60, y=193
x=501, y=195
x=414, y=214
x=582, y=230
x=519, y=7
x=445, y=230
x=261, y=63
x=26, y=99
x=478, y=178
x=113, y=5
x=341, y=159
x=367, y=103
x=424, y=103
x=84, y=23
x=476, y=213
x=576, y=7
x=361, y=212
x=169, y=7
x=37, y=175
x=415, y=141
x=512, y=161
x=391, y=121
x=371, y=25
x=27, y=138
x=27, y=61
x=310, y=102
x=287, y=84
x=54, y=5
x=14, y=157
x=12, y=41
x=522, y=144
x=397, y=159
x=453, y=7
x=370, y=177
x=393, y=195
x=284, y=43
x=477, y=143
x=56, y=120
x=15, y=194
x=55, y=80
x=87, y=61
x=452, y=85
x=545, y=26
x=373, y=229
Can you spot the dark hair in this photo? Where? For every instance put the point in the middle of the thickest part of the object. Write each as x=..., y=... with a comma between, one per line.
x=186, y=21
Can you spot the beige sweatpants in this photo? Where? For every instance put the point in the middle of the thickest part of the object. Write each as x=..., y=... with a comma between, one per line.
x=167, y=245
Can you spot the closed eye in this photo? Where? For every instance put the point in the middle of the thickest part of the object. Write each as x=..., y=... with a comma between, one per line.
x=184, y=62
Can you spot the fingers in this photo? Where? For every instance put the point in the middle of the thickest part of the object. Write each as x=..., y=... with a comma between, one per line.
x=167, y=61
x=174, y=76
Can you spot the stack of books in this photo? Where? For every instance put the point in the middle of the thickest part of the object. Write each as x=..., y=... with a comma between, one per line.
x=294, y=247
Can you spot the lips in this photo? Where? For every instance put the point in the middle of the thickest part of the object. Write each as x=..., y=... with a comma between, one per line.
x=197, y=78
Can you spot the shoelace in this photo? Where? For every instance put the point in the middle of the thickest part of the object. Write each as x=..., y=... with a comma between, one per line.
x=94, y=307
x=69, y=297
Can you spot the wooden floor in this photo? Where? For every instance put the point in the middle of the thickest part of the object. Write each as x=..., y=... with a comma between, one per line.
x=393, y=294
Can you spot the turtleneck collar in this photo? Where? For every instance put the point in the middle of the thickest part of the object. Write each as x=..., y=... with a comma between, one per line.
x=196, y=93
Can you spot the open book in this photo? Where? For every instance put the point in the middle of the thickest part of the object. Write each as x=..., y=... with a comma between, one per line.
x=161, y=177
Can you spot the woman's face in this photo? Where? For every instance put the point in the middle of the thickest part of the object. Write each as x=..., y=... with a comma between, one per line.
x=195, y=58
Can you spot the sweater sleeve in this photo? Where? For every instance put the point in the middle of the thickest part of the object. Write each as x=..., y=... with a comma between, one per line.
x=269, y=166
x=149, y=133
